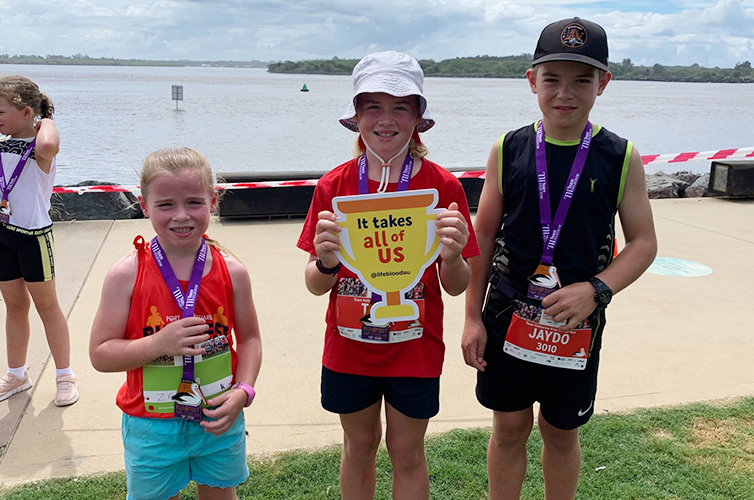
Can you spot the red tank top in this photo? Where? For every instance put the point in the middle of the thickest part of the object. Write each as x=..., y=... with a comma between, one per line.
x=153, y=307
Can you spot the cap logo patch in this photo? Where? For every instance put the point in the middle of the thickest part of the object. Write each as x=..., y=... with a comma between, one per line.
x=573, y=35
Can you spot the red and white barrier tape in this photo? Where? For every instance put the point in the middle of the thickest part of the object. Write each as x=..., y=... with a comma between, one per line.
x=723, y=154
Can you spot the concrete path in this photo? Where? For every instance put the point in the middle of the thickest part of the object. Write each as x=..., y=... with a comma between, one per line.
x=668, y=340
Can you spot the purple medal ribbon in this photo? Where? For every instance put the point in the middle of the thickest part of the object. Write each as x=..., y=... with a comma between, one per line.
x=551, y=228
x=6, y=188
x=186, y=303
x=403, y=180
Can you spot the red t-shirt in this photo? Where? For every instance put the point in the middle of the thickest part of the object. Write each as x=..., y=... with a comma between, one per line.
x=349, y=299
x=153, y=307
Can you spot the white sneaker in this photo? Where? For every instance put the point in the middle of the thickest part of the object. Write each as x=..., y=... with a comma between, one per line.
x=10, y=385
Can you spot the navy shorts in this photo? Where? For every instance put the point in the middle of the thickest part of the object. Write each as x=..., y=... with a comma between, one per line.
x=26, y=254
x=413, y=396
x=566, y=397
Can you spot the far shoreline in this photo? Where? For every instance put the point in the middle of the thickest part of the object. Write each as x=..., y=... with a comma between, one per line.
x=459, y=67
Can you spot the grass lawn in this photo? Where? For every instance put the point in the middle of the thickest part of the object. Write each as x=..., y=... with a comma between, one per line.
x=701, y=451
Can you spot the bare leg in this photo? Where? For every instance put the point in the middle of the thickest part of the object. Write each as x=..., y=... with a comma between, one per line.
x=17, y=330
x=204, y=492
x=561, y=460
x=55, y=325
x=506, y=454
x=405, y=445
x=362, y=432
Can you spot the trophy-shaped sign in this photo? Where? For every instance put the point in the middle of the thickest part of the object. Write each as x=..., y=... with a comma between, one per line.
x=388, y=240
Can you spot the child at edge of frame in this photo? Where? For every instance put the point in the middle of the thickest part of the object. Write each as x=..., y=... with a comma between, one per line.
x=177, y=315
x=545, y=226
x=388, y=110
x=27, y=261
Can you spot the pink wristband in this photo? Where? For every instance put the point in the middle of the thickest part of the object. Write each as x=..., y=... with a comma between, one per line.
x=249, y=390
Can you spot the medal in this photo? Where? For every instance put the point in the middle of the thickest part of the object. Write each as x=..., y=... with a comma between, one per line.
x=4, y=211
x=545, y=279
x=188, y=398
x=7, y=187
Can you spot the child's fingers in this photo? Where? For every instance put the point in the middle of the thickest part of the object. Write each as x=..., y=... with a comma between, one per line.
x=327, y=228
x=326, y=215
x=216, y=427
x=216, y=401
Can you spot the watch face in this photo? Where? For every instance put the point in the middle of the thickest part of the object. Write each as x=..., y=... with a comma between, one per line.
x=605, y=297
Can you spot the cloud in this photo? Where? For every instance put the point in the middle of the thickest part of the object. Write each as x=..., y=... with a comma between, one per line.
x=711, y=33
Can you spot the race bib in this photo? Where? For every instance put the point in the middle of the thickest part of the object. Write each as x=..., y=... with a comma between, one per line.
x=212, y=373
x=352, y=307
x=535, y=337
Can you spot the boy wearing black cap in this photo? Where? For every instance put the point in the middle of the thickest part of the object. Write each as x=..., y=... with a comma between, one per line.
x=546, y=228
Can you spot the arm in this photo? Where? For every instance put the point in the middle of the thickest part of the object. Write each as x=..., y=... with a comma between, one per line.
x=489, y=216
x=576, y=301
x=110, y=351
x=47, y=145
x=248, y=347
x=326, y=245
x=453, y=230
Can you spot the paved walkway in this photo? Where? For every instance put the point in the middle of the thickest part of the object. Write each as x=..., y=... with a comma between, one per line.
x=669, y=340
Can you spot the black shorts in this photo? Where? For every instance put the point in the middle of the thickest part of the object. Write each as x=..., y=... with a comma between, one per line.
x=413, y=396
x=566, y=397
x=26, y=254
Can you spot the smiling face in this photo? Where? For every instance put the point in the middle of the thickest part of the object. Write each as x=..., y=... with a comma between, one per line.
x=386, y=122
x=566, y=92
x=16, y=122
x=179, y=208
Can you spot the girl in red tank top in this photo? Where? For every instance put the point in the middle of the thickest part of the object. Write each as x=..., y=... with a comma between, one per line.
x=178, y=317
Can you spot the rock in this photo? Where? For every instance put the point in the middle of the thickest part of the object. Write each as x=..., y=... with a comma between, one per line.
x=94, y=206
x=662, y=185
x=686, y=176
x=698, y=188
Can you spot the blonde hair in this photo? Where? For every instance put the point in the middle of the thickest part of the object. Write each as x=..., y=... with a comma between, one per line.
x=176, y=161
x=21, y=92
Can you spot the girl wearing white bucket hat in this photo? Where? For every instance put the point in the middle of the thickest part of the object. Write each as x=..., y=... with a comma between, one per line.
x=401, y=365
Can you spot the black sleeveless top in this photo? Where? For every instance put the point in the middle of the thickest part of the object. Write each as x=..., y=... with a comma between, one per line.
x=586, y=243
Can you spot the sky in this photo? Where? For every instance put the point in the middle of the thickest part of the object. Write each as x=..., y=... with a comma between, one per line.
x=680, y=32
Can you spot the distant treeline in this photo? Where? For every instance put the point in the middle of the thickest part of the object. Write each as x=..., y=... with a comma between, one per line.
x=516, y=66
x=469, y=67
x=84, y=60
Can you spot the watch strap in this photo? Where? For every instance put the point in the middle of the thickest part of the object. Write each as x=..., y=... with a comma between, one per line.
x=249, y=390
x=327, y=270
x=601, y=288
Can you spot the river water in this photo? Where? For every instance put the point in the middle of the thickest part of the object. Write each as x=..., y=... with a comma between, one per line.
x=248, y=120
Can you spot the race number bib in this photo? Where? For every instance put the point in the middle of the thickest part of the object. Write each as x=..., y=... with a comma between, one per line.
x=535, y=337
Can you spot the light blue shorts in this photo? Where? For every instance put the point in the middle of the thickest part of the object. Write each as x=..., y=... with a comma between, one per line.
x=163, y=455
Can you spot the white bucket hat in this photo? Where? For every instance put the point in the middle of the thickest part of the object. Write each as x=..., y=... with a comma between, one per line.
x=392, y=73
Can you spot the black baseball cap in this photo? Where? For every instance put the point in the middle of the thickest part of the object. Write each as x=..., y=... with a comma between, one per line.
x=575, y=40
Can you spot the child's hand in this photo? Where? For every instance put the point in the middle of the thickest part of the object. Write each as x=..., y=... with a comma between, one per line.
x=179, y=337
x=473, y=343
x=453, y=231
x=326, y=243
x=229, y=406
x=573, y=303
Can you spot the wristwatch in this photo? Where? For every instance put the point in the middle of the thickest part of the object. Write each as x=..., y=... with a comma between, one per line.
x=602, y=293
x=249, y=390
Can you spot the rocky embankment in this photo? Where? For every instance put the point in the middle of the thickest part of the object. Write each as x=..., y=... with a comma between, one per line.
x=93, y=206
x=677, y=185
